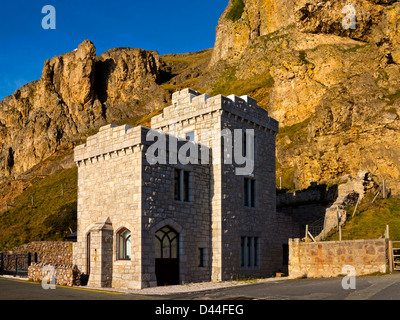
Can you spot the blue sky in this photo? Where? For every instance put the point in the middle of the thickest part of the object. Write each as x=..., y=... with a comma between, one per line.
x=174, y=26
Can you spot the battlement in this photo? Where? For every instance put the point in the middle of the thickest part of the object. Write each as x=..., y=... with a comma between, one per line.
x=188, y=104
x=112, y=140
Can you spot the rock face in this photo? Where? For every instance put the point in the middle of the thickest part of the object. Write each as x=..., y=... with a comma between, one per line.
x=257, y=18
x=77, y=91
x=261, y=17
x=126, y=79
x=334, y=90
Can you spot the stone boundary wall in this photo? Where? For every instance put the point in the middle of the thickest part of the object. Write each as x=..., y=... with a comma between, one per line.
x=64, y=275
x=51, y=252
x=313, y=194
x=327, y=259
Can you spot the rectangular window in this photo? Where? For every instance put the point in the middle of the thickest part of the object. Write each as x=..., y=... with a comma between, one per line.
x=182, y=181
x=249, y=192
x=249, y=252
x=285, y=252
x=186, y=183
x=242, y=251
x=177, y=185
x=202, y=257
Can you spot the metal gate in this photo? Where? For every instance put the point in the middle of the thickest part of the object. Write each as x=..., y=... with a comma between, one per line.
x=396, y=255
x=16, y=264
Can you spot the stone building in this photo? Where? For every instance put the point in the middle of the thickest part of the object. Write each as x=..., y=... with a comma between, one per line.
x=143, y=224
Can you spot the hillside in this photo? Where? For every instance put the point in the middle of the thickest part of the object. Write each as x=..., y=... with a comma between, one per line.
x=45, y=211
x=335, y=92
x=371, y=219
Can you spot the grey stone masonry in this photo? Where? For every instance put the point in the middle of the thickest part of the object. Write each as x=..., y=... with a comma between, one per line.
x=214, y=234
x=189, y=105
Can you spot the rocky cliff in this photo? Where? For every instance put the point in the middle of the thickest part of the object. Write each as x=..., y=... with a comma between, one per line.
x=77, y=92
x=334, y=89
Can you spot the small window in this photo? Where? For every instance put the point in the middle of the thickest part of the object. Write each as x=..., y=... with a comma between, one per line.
x=124, y=244
x=249, y=192
x=249, y=252
x=242, y=251
x=202, y=257
x=189, y=136
x=285, y=252
x=182, y=185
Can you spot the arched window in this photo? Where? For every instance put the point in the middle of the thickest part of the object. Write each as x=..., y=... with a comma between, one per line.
x=166, y=243
x=124, y=244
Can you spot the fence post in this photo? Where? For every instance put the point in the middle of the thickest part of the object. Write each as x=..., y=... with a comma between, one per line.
x=29, y=259
x=1, y=262
x=387, y=232
x=384, y=190
x=306, y=233
x=355, y=209
x=323, y=235
x=16, y=265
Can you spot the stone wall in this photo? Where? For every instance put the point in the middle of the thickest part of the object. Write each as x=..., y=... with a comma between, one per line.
x=316, y=193
x=64, y=275
x=109, y=188
x=327, y=259
x=51, y=252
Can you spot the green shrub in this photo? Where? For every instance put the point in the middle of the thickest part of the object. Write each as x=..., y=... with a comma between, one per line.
x=236, y=11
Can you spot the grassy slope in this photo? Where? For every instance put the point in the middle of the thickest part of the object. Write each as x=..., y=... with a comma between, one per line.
x=371, y=219
x=51, y=217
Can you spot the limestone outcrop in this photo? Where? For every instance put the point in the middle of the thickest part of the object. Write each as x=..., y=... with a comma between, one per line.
x=77, y=92
x=334, y=90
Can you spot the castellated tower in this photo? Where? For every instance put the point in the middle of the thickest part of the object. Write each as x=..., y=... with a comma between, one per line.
x=142, y=224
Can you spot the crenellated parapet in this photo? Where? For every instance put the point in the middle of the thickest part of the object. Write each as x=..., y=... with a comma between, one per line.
x=114, y=141
x=110, y=141
x=188, y=105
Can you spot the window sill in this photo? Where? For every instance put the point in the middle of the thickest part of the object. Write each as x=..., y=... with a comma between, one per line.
x=250, y=268
x=123, y=262
x=183, y=202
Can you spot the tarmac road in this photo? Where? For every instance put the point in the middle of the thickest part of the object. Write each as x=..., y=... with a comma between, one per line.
x=385, y=287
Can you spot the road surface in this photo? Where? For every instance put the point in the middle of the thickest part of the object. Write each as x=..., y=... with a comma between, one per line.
x=385, y=287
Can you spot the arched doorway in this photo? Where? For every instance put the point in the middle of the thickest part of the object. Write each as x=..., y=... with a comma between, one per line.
x=167, y=256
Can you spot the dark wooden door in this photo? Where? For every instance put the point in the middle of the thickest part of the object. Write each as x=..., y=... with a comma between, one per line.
x=167, y=272
x=88, y=254
x=167, y=256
